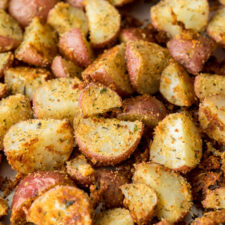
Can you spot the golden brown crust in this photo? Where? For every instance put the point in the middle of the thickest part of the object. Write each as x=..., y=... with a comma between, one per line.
x=4, y=208
x=6, y=60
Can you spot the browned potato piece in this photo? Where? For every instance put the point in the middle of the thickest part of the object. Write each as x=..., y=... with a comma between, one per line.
x=110, y=69
x=104, y=22
x=107, y=141
x=25, y=80
x=3, y=207
x=65, y=68
x=212, y=117
x=145, y=108
x=3, y=90
x=96, y=99
x=176, y=85
x=209, y=84
x=191, y=51
x=75, y=47
x=6, y=60
x=131, y=34
x=10, y=32
x=145, y=62
x=39, y=44
x=141, y=201
x=222, y=2
x=4, y=4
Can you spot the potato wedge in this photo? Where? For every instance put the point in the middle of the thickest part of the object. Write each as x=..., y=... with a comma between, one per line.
x=6, y=60
x=11, y=34
x=110, y=69
x=117, y=216
x=75, y=47
x=4, y=208
x=171, y=15
x=25, y=80
x=145, y=108
x=63, y=18
x=104, y=22
x=176, y=85
x=96, y=99
x=145, y=62
x=65, y=68
x=34, y=145
x=212, y=117
x=177, y=143
x=39, y=44
x=222, y=2
x=3, y=90
x=61, y=205
x=13, y=109
x=57, y=99
x=173, y=191
x=4, y=4
x=107, y=141
x=141, y=201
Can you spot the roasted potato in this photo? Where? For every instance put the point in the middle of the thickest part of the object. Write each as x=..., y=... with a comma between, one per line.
x=145, y=62
x=107, y=141
x=57, y=99
x=13, y=109
x=4, y=208
x=61, y=205
x=39, y=44
x=4, y=4
x=176, y=85
x=6, y=60
x=97, y=98
x=141, y=201
x=110, y=69
x=104, y=22
x=25, y=80
x=38, y=145
x=173, y=191
x=3, y=90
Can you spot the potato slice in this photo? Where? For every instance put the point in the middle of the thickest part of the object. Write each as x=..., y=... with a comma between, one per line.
x=104, y=22
x=25, y=80
x=6, y=60
x=57, y=99
x=61, y=205
x=176, y=85
x=107, y=141
x=110, y=69
x=177, y=143
x=34, y=145
x=3, y=90
x=117, y=216
x=173, y=191
x=39, y=44
x=141, y=201
x=212, y=117
x=96, y=99
x=171, y=15
x=145, y=62
x=63, y=18
x=13, y=109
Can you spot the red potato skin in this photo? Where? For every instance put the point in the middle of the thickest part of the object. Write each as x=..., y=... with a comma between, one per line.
x=58, y=67
x=7, y=43
x=25, y=10
x=76, y=3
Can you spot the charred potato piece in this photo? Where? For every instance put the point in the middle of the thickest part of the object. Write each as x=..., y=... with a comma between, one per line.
x=6, y=60
x=39, y=44
x=4, y=208
x=38, y=145
x=3, y=90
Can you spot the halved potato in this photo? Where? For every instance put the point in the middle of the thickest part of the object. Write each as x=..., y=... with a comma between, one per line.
x=3, y=90
x=110, y=69
x=11, y=34
x=173, y=191
x=104, y=22
x=172, y=15
x=145, y=62
x=176, y=85
x=4, y=4
x=4, y=208
x=25, y=80
x=13, y=109
x=96, y=99
x=39, y=44
x=141, y=201
x=177, y=143
x=6, y=60
x=212, y=117
x=63, y=18
x=107, y=141
x=117, y=216
x=38, y=145
x=61, y=205
x=57, y=99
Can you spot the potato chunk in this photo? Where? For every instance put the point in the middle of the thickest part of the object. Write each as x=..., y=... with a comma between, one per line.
x=34, y=145
x=176, y=85
x=173, y=191
x=141, y=201
x=177, y=143
x=6, y=60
